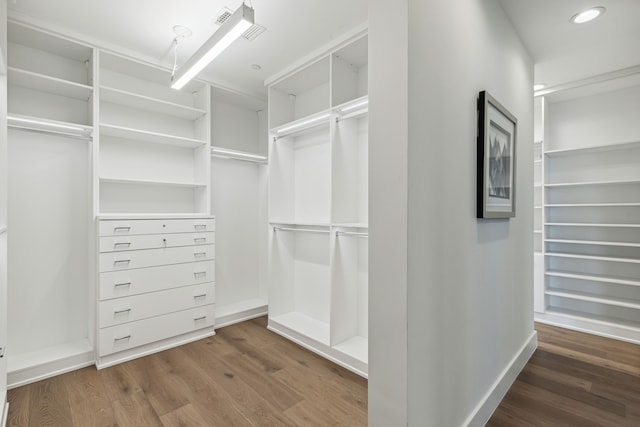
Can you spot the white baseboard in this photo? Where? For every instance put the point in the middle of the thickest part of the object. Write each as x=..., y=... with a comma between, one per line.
x=31, y=372
x=492, y=399
x=230, y=317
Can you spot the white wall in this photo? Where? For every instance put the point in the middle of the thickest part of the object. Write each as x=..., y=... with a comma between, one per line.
x=463, y=284
x=388, y=151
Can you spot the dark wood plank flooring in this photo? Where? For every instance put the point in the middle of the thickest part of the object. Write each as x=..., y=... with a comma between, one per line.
x=248, y=376
x=243, y=376
x=575, y=379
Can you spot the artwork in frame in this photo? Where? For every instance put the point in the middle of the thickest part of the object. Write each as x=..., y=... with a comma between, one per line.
x=497, y=130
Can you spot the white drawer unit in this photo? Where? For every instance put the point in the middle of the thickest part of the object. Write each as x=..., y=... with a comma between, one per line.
x=116, y=284
x=134, y=334
x=132, y=227
x=154, y=241
x=156, y=285
x=113, y=261
x=128, y=309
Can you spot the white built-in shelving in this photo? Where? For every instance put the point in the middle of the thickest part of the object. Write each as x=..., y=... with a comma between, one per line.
x=51, y=98
x=3, y=211
x=318, y=205
x=239, y=201
x=154, y=144
x=592, y=215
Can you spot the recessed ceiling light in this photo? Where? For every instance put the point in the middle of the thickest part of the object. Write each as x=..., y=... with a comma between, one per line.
x=539, y=86
x=587, y=15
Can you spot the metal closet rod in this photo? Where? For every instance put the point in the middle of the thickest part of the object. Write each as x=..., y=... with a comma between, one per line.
x=352, y=234
x=305, y=230
x=50, y=132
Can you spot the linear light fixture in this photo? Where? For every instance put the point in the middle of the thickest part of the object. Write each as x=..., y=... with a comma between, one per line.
x=232, y=28
x=12, y=120
x=355, y=106
x=304, y=123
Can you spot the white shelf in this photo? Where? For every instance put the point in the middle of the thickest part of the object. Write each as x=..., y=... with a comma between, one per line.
x=300, y=223
x=356, y=347
x=602, y=320
x=313, y=122
x=118, y=216
x=48, y=126
x=590, y=205
x=304, y=325
x=592, y=257
x=147, y=103
x=152, y=182
x=44, y=83
x=351, y=224
x=593, y=149
x=592, y=183
x=148, y=136
x=594, y=278
x=594, y=242
x=584, y=224
x=585, y=296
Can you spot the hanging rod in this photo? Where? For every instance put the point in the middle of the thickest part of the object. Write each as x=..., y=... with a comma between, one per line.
x=50, y=132
x=223, y=153
x=351, y=233
x=305, y=230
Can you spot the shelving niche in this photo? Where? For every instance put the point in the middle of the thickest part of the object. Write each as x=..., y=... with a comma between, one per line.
x=239, y=202
x=154, y=141
x=50, y=91
x=318, y=205
x=592, y=211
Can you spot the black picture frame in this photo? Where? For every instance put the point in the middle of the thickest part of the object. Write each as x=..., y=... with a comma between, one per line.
x=496, y=179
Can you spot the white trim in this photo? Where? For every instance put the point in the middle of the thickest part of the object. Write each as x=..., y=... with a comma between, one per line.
x=240, y=316
x=593, y=327
x=40, y=371
x=5, y=414
x=482, y=413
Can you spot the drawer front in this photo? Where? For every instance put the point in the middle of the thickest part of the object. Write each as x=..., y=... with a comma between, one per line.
x=151, y=241
x=114, y=261
x=155, y=226
x=116, y=284
x=134, y=334
x=129, y=309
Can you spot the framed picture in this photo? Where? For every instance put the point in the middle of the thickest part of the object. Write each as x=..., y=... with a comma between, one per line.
x=497, y=129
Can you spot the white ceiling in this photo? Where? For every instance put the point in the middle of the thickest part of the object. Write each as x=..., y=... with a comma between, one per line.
x=144, y=28
x=564, y=52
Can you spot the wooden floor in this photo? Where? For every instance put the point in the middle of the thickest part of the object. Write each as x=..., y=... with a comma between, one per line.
x=243, y=376
x=575, y=379
x=248, y=376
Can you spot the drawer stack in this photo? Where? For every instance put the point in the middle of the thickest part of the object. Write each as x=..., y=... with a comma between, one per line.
x=156, y=285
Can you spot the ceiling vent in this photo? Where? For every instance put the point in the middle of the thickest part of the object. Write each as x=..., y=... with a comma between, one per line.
x=251, y=34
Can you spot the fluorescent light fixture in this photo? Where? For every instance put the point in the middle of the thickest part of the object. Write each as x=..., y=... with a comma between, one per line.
x=233, y=27
x=304, y=123
x=42, y=123
x=587, y=15
x=355, y=106
x=539, y=86
x=222, y=151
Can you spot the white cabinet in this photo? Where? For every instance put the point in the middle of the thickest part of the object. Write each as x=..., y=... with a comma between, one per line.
x=592, y=214
x=318, y=205
x=153, y=150
x=157, y=292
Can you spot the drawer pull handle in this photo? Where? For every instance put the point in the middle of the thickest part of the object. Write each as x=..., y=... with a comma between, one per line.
x=200, y=296
x=121, y=261
x=126, y=337
x=118, y=244
x=199, y=254
x=200, y=226
x=200, y=240
x=199, y=318
x=123, y=228
x=116, y=312
x=200, y=273
x=122, y=284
